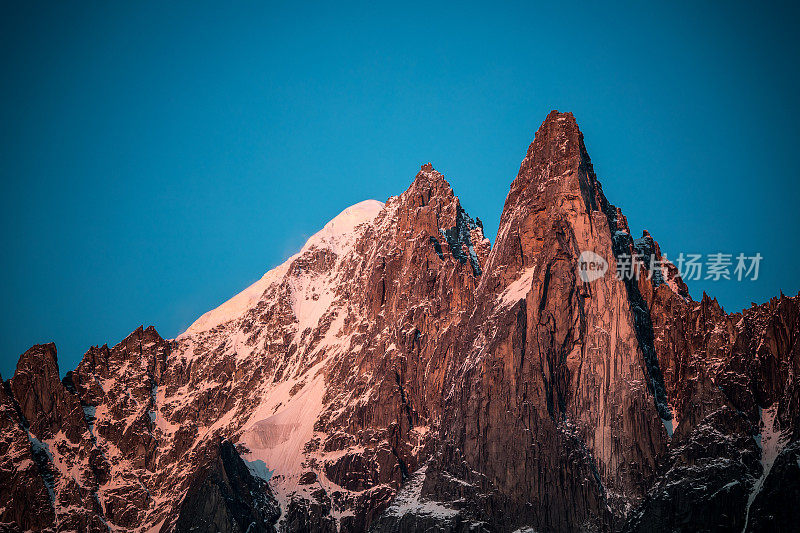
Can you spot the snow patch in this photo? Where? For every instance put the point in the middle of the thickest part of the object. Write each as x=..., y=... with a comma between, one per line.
x=771, y=442
x=668, y=426
x=88, y=415
x=311, y=298
x=672, y=423
x=409, y=500
x=278, y=440
x=40, y=449
x=518, y=289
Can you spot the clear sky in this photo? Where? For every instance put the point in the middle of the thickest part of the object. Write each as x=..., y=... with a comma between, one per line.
x=156, y=160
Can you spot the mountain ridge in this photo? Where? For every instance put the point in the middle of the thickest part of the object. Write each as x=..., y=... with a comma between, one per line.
x=400, y=373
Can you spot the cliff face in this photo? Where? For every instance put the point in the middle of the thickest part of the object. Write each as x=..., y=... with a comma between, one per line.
x=400, y=374
x=551, y=384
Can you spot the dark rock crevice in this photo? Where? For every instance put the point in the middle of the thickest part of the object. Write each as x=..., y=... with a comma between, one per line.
x=224, y=497
x=623, y=247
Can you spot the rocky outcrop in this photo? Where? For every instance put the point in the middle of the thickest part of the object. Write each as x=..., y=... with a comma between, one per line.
x=56, y=449
x=44, y=403
x=401, y=374
x=25, y=479
x=224, y=497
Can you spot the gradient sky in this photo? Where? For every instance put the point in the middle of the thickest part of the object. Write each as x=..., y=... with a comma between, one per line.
x=158, y=159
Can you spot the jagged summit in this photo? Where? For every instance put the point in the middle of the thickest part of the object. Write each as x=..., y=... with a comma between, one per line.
x=552, y=139
x=555, y=186
x=38, y=355
x=428, y=184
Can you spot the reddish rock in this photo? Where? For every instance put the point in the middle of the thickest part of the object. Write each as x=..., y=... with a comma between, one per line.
x=401, y=374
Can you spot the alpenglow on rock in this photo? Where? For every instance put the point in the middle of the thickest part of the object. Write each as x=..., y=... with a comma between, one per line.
x=399, y=374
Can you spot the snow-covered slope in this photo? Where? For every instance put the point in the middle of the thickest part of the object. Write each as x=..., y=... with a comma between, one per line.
x=336, y=235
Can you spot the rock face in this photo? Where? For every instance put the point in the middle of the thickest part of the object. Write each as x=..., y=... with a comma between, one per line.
x=225, y=497
x=400, y=374
x=549, y=382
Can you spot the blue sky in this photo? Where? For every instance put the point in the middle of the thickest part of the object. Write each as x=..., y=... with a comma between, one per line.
x=158, y=159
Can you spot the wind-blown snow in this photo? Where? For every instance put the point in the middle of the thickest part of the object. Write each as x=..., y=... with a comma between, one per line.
x=335, y=235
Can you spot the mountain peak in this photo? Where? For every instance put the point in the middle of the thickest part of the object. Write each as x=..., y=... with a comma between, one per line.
x=556, y=116
x=428, y=185
x=336, y=235
x=43, y=401
x=343, y=224
x=38, y=358
x=557, y=137
x=429, y=174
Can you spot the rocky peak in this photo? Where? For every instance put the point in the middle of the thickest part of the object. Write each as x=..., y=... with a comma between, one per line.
x=43, y=400
x=556, y=152
x=138, y=357
x=428, y=185
x=554, y=194
x=429, y=208
x=539, y=329
x=39, y=362
x=558, y=138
